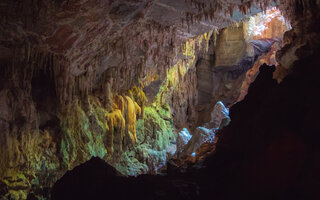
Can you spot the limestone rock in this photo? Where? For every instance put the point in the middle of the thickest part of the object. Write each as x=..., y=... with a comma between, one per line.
x=200, y=136
x=219, y=116
x=67, y=68
x=182, y=139
x=17, y=185
x=221, y=73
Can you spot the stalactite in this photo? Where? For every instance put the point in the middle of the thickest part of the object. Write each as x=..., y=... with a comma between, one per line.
x=28, y=54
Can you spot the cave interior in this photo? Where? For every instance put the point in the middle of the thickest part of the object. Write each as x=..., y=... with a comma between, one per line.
x=159, y=99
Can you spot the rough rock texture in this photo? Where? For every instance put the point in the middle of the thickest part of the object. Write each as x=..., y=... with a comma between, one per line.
x=41, y=138
x=222, y=71
x=269, y=25
x=200, y=136
x=72, y=80
x=234, y=58
x=219, y=117
x=270, y=150
x=283, y=165
x=182, y=139
x=269, y=59
x=202, y=139
x=83, y=41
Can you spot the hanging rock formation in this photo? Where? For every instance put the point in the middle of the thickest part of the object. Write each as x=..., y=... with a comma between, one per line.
x=118, y=79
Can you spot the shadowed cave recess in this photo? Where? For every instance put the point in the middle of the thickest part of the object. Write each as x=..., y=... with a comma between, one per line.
x=159, y=99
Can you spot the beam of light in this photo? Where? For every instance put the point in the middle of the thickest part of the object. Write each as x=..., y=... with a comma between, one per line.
x=259, y=24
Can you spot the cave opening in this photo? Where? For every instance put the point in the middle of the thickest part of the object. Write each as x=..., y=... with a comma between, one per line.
x=235, y=56
x=159, y=99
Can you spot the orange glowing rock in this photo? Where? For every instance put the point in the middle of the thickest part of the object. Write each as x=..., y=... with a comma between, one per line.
x=267, y=25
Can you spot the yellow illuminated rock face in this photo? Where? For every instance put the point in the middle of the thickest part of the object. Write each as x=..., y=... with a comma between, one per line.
x=121, y=122
x=131, y=118
x=231, y=46
x=109, y=123
x=115, y=124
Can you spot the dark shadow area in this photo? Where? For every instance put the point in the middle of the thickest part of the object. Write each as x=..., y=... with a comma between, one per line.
x=95, y=179
x=271, y=148
x=45, y=98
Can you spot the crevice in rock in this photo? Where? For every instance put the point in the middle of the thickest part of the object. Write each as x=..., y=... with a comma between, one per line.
x=46, y=101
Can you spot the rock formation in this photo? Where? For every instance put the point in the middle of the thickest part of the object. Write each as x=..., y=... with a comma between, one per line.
x=119, y=79
x=182, y=139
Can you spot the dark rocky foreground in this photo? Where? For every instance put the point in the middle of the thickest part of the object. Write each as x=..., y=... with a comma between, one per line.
x=96, y=179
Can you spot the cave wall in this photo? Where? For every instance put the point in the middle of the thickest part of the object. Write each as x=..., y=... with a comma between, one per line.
x=41, y=138
x=75, y=77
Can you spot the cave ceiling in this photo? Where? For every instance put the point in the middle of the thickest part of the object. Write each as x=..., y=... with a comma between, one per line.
x=118, y=78
x=89, y=37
